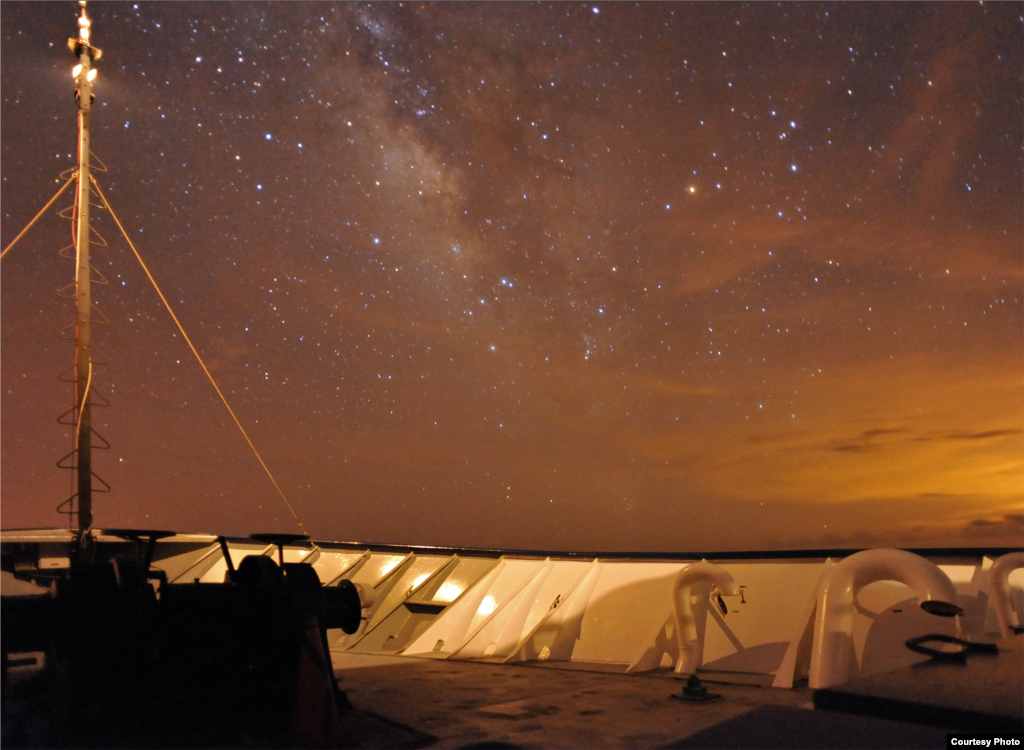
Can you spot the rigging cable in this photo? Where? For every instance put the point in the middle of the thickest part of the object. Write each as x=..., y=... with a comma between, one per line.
x=196, y=353
x=41, y=212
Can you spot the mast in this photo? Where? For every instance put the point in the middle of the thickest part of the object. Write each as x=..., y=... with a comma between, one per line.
x=84, y=74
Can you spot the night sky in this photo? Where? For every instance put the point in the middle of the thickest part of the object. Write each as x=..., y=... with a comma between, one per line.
x=679, y=277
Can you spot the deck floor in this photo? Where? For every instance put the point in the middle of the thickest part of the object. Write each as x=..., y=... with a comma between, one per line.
x=479, y=705
x=407, y=703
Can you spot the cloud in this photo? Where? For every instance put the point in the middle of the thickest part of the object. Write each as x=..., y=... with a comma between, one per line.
x=988, y=435
x=1017, y=519
x=1002, y=530
x=865, y=442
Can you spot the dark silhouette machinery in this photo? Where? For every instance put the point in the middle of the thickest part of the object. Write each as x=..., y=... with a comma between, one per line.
x=130, y=656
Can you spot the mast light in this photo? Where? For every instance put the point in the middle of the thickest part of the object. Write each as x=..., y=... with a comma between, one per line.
x=76, y=71
x=91, y=75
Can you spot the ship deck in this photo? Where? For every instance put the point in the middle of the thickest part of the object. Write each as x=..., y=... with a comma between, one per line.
x=504, y=649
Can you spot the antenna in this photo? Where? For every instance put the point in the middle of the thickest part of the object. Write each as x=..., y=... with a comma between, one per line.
x=79, y=459
x=84, y=75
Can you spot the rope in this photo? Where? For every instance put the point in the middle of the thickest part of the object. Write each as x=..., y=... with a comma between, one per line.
x=201, y=363
x=29, y=225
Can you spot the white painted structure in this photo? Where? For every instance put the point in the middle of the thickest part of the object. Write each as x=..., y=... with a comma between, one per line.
x=832, y=647
x=628, y=615
x=999, y=590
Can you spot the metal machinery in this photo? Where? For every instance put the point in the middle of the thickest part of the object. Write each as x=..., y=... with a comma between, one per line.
x=129, y=655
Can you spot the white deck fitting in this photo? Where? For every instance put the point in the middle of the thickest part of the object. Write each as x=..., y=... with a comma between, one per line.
x=453, y=581
x=414, y=575
x=331, y=564
x=557, y=585
x=374, y=569
x=890, y=614
x=499, y=634
x=999, y=584
x=555, y=634
x=505, y=632
x=478, y=605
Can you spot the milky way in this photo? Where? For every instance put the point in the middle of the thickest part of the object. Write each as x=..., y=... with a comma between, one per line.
x=597, y=277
